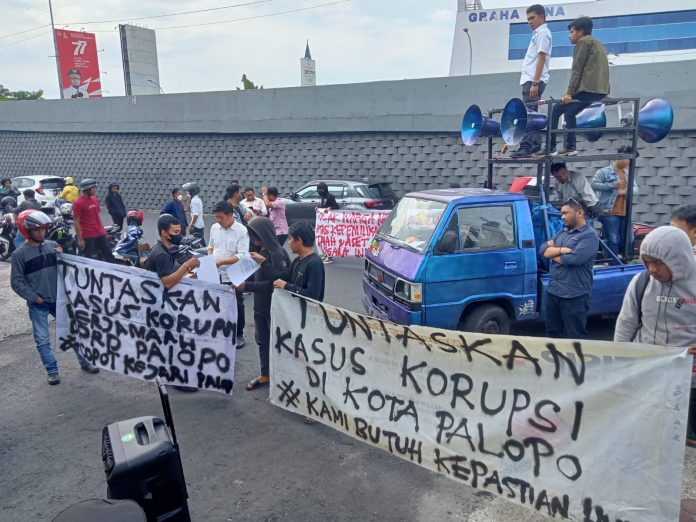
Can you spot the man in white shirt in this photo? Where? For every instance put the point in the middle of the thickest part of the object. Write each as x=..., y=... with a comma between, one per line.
x=256, y=205
x=535, y=74
x=229, y=242
x=197, y=227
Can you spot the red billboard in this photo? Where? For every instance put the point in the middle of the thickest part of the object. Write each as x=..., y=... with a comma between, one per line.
x=79, y=64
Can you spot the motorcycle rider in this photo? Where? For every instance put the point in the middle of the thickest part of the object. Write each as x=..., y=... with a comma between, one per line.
x=8, y=205
x=69, y=193
x=34, y=277
x=90, y=232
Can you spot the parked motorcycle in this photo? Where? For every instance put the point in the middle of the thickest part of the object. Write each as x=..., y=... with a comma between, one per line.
x=132, y=249
x=8, y=231
x=61, y=229
x=189, y=247
x=113, y=235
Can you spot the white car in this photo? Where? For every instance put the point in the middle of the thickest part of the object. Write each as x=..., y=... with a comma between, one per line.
x=45, y=187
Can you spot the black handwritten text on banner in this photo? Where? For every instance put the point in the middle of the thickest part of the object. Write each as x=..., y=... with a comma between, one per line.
x=347, y=233
x=558, y=426
x=123, y=319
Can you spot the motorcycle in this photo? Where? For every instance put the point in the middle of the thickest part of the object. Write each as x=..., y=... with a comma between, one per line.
x=132, y=249
x=8, y=231
x=61, y=229
x=113, y=235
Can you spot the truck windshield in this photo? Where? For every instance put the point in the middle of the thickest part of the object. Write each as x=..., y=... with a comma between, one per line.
x=413, y=222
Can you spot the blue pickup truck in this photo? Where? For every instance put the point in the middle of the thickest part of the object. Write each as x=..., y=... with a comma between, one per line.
x=468, y=259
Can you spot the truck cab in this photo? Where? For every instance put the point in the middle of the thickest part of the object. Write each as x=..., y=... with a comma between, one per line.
x=468, y=259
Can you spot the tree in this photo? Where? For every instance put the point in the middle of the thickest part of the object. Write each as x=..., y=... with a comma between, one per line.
x=248, y=84
x=7, y=95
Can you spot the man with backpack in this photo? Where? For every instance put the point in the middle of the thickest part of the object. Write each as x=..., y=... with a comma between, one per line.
x=660, y=304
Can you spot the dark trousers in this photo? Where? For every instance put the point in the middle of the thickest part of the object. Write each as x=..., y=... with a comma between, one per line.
x=282, y=238
x=531, y=141
x=199, y=232
x=263, y=339
x=98, y=248
x=118, y=220
x=570, y=111
x=566, y=317
x=241, y=320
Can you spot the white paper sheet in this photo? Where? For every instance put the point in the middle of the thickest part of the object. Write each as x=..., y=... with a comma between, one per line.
x=241, y=270
x=208, y=270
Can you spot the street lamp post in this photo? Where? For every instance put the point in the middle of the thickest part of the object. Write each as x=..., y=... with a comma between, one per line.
x=156, y=84
x=55, y=47
x=471, y=50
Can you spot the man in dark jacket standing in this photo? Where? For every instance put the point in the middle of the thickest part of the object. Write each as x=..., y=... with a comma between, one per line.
x=328, y=202
x=174, y=207
x=275, y=264
x=115, y=206
x=34, y=277
x=589, y=80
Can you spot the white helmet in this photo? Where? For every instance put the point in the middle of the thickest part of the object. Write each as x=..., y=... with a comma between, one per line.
x=66, y=208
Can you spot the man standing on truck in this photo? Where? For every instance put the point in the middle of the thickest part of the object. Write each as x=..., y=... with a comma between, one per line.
x=572, y=252
x=589, y=80
x=610, y=184
x=660, y=304
x=535, y=74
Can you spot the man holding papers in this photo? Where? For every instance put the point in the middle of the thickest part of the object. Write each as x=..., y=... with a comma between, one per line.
x=229, y=242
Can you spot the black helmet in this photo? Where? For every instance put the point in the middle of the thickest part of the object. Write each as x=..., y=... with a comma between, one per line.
x=87, y=184
x=112, y=185
x=192, y=188
x=8, y=201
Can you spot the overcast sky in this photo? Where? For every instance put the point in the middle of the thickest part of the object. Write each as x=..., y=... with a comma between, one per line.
x=351, y=41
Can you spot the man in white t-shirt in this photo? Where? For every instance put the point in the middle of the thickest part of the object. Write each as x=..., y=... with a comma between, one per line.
x=256, y=205
x=229, y=242
x=197, y=226
x=535, y=74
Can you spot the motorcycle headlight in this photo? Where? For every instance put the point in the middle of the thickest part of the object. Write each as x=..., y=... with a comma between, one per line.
x=411, y=292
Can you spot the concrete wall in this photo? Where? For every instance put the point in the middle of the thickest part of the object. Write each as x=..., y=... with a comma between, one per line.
x=405, y=132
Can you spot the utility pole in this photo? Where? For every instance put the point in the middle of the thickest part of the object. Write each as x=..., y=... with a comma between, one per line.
x=55, y=47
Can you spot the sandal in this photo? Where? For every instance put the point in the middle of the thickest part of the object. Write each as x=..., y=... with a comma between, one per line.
x=691, y=443
x=259, y=382
x=309, y=420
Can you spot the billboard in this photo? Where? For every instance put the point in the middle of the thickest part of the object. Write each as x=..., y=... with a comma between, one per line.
x=139, y=54
x=79, y=64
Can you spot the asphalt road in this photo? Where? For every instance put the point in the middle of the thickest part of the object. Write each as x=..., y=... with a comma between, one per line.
x=243, y=458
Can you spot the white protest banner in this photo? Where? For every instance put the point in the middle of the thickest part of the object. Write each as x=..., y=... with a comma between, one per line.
x=590, y=430
x=343, y=233
x=122, y=319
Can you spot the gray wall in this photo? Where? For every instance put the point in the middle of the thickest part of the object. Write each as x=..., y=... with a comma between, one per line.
x=405, y=132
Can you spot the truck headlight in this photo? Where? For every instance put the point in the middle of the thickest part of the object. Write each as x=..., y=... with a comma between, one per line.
x=411, y=292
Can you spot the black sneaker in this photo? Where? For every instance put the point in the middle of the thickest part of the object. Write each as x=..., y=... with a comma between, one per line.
x=521, y=153
x=53, y=379
x=90, y=368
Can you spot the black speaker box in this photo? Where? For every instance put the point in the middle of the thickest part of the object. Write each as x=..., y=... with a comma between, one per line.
x=142, y=463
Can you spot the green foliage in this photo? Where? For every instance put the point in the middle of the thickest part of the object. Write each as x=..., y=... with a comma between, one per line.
x=8, y=95
x=248, y=84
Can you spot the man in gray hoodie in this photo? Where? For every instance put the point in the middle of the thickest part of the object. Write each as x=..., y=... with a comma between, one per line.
x=666, y=313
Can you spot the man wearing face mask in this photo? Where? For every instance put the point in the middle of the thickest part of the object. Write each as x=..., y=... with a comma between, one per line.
x=161, y=261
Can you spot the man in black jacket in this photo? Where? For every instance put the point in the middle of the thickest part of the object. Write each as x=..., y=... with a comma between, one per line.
x=275, y=264
x=307, y=271
x=115, y=205
x=328, y=202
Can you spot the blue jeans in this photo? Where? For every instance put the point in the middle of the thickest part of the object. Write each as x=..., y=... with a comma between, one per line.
x=38, y=313
x=613, y=227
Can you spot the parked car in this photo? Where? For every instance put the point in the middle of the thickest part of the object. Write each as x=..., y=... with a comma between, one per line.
x=46, y=188
x=300, y=205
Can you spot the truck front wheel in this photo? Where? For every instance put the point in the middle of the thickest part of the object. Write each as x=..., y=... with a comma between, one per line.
x=488, y=318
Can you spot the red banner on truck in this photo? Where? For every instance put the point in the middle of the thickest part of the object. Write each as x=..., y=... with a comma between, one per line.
x=79, y=64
